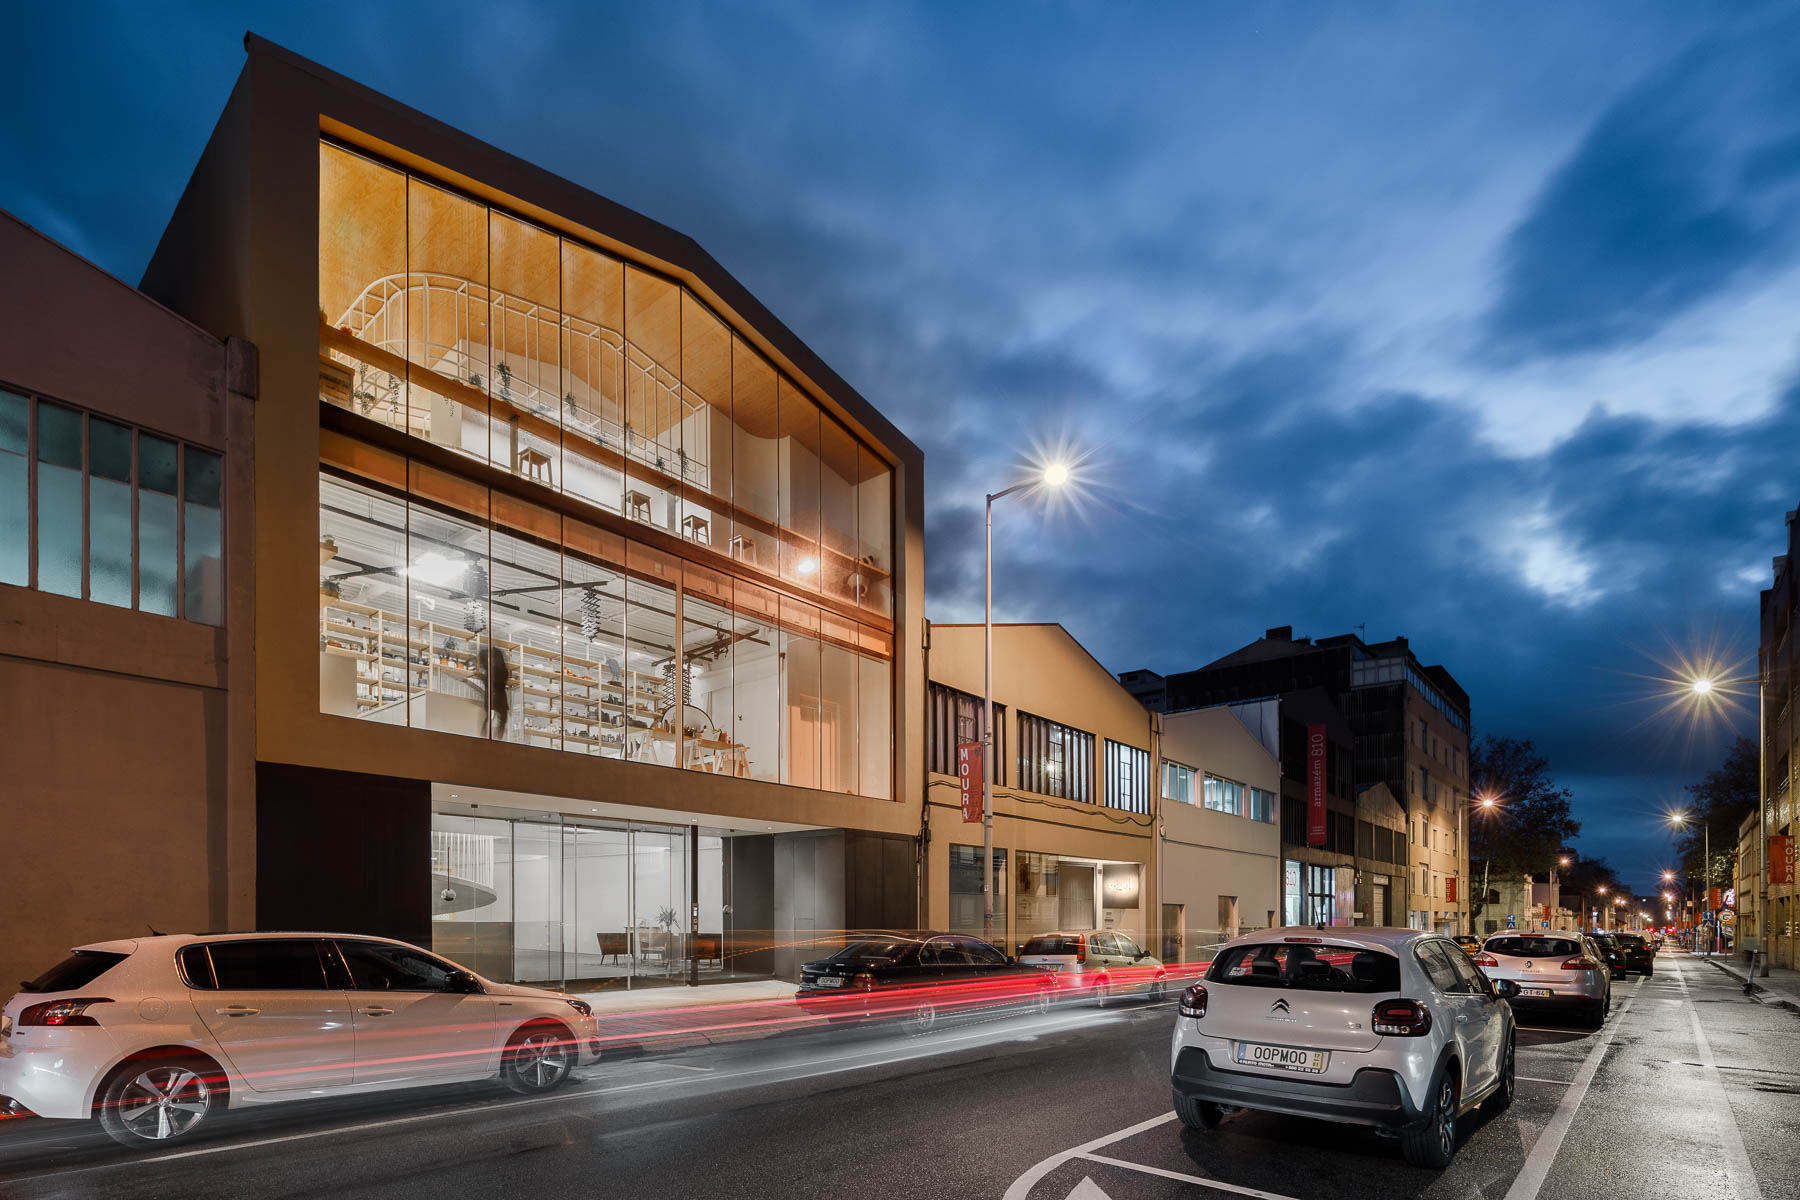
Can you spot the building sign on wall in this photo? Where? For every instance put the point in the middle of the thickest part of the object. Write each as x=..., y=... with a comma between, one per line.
x=1315, y=785
x=1781, y=859
x=971, y=778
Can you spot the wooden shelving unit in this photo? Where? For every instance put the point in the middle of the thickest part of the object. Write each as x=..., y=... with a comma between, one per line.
x=578, y=702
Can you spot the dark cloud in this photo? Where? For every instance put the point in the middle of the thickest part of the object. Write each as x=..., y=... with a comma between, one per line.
x=1684, y=185
x=1194, y=244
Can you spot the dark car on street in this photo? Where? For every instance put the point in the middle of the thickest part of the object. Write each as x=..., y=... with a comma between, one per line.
x=919, y=978
x=1615, y=957
x=1639, y=955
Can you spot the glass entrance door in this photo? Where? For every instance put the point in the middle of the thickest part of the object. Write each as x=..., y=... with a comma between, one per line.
x=588, y=904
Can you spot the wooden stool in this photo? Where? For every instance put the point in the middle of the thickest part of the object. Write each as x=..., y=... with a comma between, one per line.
x=637, y=505
x=534, y=464
x=694, y=530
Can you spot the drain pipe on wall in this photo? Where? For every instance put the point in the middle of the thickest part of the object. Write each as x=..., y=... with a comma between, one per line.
x=922, y=844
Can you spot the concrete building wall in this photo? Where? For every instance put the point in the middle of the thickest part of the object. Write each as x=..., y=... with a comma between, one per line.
x=1224, y=870
x=129, y=794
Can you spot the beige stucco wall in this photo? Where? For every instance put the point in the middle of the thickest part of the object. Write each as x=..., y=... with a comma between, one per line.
x=1443, y=852
x=1046, y=672
x=1209, y=855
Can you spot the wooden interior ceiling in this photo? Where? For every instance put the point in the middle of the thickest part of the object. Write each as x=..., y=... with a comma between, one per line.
x=364, y=234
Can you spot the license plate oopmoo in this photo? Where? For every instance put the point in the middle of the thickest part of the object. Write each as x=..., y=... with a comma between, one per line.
x=1282, y=1058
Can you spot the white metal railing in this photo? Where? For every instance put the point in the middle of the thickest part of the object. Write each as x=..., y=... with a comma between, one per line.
x=404, y=314
x=465, y=856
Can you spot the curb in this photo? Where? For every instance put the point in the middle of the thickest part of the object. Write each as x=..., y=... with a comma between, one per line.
x=1763, y=991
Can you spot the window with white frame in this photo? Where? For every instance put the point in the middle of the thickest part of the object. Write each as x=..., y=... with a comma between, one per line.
x=1178, y=782
x=1262, y=806
x=1127, y=777
x=1224, y=795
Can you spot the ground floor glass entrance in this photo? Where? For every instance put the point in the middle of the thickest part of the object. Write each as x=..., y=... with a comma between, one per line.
x=578, y=902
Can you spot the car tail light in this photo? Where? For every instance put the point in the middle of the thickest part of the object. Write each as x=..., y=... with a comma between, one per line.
x=1584, y=963
x=863, y=980
x=1486, y=960
x=1402, y=1018
x=1081, y=950
x=62, y=1012
x=1193, y=1001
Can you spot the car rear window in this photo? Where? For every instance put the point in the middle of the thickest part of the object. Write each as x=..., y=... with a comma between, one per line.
x=78, y=970
x=1324, y=968
x=1052, y=944
x=1629, y=939
x=1531, y=947
x=271, y=964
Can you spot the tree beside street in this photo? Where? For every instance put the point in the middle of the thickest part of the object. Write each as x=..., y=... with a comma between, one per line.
x=1530, y=824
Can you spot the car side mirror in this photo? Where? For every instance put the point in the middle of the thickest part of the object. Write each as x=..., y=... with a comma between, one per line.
x=464, y=983
x=1506, y=989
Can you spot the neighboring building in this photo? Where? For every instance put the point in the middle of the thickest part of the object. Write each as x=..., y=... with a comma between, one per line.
x=1509, y=905
x=1149, y=688
x=1073, y=798
x=1381, y=855
x=1780, y=738
x=1411, y=729
x=125, y=611
x=1221, y=836
x=608, y=670
x=1747, y=929
x=1318, y=876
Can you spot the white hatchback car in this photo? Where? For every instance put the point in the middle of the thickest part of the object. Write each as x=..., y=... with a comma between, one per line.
x=1563, y=972
x=1390, y=1028
x=1096, y=962
x=154, y=1035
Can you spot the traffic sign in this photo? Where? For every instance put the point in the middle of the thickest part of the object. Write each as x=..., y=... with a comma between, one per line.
x=1511, y=921
x=1728, y=916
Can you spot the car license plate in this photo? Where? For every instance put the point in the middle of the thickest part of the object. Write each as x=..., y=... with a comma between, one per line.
x=1524, y=991
x=829, y=981
x=1282, y=1058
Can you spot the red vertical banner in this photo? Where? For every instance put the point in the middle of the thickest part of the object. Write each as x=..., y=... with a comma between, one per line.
x=971, y=778
x=1715, y=899
x=1315, y=785
x=1781, y=859
x=1450, y=887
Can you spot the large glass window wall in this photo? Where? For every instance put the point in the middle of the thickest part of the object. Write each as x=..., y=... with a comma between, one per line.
x=494, y=338
x=594, y=903
x=446, y=606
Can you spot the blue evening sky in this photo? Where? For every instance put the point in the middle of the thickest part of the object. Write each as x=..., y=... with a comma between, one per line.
x=1474, y=323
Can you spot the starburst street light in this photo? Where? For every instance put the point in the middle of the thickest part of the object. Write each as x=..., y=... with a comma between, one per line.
x=1053, y=475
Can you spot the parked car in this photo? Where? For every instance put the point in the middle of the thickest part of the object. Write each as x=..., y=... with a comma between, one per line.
x=1639, y=955
x=1610, y=951
x=1554, y=972
x=1390, y=1028
x=1099, y=963
x=920, y=978
x=154, y=1036
x=1468, y=943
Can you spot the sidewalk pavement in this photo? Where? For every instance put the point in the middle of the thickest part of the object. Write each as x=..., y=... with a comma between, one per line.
x=680, y=996
x=1782, y=985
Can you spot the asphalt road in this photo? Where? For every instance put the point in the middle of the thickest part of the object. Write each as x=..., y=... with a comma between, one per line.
x=1690, y=1091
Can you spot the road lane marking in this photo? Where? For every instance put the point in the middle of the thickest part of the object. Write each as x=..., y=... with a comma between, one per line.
x=1535, y=1079
x=1198, y=1180
x=1530, y=1179
x=1731, y=1137
x=1021, y=1187
x=836, y=1064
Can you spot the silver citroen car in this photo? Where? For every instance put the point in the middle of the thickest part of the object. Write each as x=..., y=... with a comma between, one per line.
x=153, y=1036
x=1390, y=1028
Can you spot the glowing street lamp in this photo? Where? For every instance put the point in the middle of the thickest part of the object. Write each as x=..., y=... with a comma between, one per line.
x=1053, y=476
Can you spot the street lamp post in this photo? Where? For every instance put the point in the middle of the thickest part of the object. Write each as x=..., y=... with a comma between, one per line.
x=1702, y=688
x=1054, y=476
x=1679, y=820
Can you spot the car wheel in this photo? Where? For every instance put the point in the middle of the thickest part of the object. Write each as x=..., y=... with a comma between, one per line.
x=156, y=1100
x=1508, y=1087
x=1432, y=1142
x=923, y=1019
x=539, y=1058
x=1158, y=990
x=1102, y=991
x=1041, y=1003
x=1198, y=1114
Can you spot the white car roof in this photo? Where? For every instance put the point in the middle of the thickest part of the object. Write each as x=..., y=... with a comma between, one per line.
x=1366, y=937
x=177, y=940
